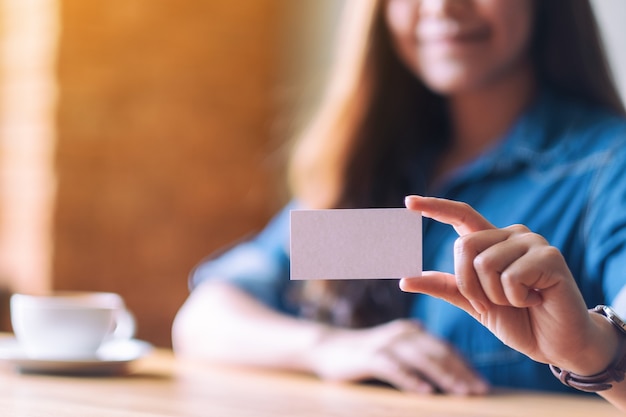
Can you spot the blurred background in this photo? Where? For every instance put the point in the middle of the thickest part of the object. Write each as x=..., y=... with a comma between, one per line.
x=139, y=136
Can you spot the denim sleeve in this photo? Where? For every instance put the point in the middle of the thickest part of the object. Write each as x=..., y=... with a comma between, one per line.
x=605, y=231
x=259, y=266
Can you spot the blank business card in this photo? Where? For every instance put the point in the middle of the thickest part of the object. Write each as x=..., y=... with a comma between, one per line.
x=355, y=244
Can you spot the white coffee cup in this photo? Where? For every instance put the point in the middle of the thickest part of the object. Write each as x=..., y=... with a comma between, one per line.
x=69, y=325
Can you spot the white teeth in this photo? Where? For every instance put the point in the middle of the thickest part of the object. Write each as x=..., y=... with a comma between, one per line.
x=438, y=29
x=435, y=29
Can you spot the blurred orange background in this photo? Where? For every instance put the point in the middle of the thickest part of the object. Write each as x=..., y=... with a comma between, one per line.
x=137, y=137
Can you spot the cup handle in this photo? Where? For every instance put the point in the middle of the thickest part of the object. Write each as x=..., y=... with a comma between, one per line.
x=125, y=325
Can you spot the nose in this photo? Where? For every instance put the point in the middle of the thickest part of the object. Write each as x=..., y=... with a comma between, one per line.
x=443, y=8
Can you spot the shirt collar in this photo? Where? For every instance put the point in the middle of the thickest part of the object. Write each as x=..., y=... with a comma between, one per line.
x=516, y=148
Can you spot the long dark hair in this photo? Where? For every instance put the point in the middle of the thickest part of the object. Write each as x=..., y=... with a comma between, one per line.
x=398, y=118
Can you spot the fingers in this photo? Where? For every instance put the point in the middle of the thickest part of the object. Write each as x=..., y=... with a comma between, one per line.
x=388, y=369
x=492, y=265
x=419, y=362
x=507, y=267
x=441, y=365
x=502, y=266
x=440, y=285
x=385, y=364
x=471, y=267
x=459, y=215
x=447, y=376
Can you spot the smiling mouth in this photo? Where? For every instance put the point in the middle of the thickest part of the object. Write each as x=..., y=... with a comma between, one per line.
x=450, y=32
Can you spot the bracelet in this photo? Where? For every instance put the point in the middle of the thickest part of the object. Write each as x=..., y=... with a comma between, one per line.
x=605, y=379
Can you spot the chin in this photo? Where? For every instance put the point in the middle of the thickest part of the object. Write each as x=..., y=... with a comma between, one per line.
x=447, y=87
x=454, y=80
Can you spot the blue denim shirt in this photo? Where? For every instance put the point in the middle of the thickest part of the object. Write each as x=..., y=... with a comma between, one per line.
x=560, y=170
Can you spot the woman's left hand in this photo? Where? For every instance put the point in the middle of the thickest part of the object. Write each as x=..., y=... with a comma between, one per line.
x=513, y=282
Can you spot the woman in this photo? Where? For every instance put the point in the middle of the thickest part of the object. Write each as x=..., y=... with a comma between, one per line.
x=480, y=101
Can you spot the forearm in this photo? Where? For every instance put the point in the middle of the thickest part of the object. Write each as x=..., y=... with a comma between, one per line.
x=222, y=323
x=605, y=349
x=616, y=395
x=609, y=339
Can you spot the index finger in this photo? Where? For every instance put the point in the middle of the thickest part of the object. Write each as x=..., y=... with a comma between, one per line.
x=459, y=215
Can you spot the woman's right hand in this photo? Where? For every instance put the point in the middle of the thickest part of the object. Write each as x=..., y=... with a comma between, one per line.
x=400, y=353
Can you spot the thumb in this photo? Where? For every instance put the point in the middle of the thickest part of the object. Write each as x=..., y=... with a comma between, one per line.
x=440, y=285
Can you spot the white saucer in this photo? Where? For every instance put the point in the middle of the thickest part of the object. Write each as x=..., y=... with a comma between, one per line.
x=111, y=358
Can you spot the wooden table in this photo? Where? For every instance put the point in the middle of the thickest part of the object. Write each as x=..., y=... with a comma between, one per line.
x=158, y=385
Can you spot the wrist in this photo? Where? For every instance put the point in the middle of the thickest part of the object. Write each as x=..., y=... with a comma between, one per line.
x=604, y=363
x=317, y=355
x=603, y=350
x=334, y=348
